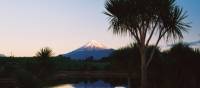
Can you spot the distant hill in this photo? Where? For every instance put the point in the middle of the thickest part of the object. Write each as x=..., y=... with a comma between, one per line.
x=2, y=55
x=92, y=49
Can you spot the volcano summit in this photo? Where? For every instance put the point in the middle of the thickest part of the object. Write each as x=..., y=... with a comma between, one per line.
x=92, y=49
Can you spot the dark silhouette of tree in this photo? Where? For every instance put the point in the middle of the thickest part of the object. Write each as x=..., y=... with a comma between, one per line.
x=44, y=53
x=143, y=20
x=43, y=58
x=127, y=59
x=187, y=63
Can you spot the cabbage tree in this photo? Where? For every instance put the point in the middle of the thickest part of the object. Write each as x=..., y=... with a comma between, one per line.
x=146, y=21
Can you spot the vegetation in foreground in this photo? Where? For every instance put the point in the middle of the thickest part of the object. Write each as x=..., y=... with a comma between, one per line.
x=177, y=67
x=145, y=21
x=169, y=69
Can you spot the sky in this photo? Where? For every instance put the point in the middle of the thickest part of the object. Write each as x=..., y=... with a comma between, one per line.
x=64, y=25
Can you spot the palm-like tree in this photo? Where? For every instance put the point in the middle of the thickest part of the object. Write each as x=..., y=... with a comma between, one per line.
x=44, y=53
x=143, y=20
x=43, y=56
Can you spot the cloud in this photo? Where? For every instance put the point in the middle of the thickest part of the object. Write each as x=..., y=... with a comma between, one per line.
x=194, y=43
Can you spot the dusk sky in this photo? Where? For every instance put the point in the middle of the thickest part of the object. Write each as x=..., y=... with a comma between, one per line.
x=64, y=25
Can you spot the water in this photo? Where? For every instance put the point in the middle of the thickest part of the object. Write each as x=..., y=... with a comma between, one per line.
x=87, y=84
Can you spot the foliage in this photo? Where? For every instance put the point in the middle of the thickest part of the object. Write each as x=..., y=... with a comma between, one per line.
x=143, y=20
x=25, y=70
x=44, y=53
x=169, y=69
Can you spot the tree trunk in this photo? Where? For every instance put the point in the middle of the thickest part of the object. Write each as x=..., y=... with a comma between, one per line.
x=129, y=82
x=144, y=81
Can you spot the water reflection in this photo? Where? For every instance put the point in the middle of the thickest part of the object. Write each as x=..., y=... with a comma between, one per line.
x=96, y=84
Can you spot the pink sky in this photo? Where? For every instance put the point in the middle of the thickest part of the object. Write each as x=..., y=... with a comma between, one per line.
x=63, y=25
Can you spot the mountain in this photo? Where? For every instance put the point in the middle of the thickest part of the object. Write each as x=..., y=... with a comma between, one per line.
x=2, y=55
x=92, y=49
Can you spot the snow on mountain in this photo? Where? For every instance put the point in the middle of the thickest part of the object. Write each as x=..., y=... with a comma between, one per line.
x=93, y=45
x=91, y=49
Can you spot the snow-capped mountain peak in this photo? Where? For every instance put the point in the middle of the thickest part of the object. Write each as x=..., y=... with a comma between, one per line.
x=91, y=49
x=94, y=45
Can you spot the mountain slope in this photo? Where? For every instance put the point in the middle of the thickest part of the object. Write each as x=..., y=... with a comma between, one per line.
x=92, y=49
x=2, y=55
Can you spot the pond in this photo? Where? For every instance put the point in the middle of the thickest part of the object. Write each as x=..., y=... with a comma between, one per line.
x=101, y=83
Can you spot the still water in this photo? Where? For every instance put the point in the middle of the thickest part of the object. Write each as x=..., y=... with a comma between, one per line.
x=95, y=84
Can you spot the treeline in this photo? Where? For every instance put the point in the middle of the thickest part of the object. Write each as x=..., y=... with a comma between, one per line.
x=40, y=70
x=177, y=67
